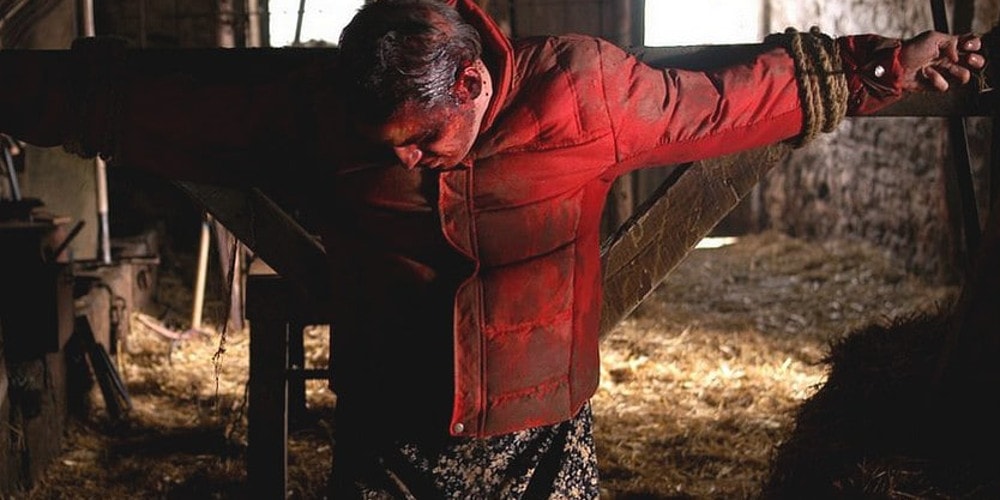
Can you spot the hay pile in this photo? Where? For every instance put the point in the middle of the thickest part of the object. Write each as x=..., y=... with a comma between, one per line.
x=186, y=434
x=875, y=429
x=699, y=387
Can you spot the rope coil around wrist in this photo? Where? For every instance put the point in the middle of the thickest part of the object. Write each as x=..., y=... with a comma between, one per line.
x=822, y=82
x=95, y=102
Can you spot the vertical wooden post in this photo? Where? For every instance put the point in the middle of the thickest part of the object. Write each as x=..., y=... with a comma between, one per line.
x=297, y=380
x=267, y=418
x=225, y=34
x=959, y=179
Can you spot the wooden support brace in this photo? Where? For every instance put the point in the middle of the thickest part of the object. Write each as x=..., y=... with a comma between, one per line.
x=296, y=363
x=635, y=260
x=267, y=418
x=959, y=176
x=683, y=210
x=270, y=232
x=273, y=235
x=962, y=393
x=277, y=310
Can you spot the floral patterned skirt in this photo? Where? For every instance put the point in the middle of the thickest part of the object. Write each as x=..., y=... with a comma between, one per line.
x=552, y=462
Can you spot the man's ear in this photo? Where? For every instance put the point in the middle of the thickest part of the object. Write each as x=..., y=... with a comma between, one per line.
x=469, y=83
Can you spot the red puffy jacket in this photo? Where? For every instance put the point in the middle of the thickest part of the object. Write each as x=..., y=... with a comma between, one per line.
x=466, y=300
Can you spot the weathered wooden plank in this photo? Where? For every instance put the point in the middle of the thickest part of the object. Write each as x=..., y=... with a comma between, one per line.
x=958, y=102
x=961, y=101
x=269, y=231
x=277, y=312
x=966, y=369
x=296, y=363
x=267, y=417
x=684, y=209
x=961, y=173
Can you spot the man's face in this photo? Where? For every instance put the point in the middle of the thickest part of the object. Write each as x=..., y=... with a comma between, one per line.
x=439, y=137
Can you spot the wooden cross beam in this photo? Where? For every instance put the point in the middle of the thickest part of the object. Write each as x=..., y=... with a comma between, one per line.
x=686, y=207
x=635, y=260
x=641, y=253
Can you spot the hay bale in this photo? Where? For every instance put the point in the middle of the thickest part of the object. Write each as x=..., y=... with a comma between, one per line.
x=874, y=430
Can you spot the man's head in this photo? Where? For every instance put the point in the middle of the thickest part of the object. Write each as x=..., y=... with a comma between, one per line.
x=413, y=79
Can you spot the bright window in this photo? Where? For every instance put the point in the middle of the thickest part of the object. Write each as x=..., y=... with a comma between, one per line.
x=323, y=20
x=702, y=22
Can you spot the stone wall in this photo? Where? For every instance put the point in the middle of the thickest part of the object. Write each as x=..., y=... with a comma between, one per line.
x=877, y=179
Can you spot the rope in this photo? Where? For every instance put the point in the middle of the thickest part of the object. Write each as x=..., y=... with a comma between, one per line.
x=822, y=83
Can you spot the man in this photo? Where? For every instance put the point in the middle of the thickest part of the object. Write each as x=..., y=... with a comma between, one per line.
x=457, y=180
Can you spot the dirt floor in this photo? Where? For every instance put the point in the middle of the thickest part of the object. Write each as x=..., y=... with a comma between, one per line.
x=699, y=386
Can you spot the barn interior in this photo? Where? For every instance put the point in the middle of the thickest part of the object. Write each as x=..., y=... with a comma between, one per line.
x=827, y=333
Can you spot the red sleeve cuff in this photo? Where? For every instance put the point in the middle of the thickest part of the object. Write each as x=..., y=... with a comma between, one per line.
x=873, y=70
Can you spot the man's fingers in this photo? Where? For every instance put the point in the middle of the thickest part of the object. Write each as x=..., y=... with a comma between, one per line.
x=975, y=61
x=958, y=72
x=970, y=43
x=939, y=60
x=934, y=79
x=949, y=48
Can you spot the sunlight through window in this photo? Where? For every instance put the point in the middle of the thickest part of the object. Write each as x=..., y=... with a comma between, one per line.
x=716, y=241
x=702, y=22
x=323, y=20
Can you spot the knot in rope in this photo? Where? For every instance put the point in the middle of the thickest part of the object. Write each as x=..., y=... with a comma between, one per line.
x=820, y=75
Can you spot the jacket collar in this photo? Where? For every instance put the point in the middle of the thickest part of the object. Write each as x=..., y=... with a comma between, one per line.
x=498, y=54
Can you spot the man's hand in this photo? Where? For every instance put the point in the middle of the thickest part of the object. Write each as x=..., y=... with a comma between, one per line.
x=934, y=60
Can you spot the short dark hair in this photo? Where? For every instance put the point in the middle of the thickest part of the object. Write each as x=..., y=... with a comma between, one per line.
x=398, y=51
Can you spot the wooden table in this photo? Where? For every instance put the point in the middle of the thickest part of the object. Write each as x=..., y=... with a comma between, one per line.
x=277, y=312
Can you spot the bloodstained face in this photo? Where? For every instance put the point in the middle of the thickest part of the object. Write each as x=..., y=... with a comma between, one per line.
x=442, y=135
x=439, y=137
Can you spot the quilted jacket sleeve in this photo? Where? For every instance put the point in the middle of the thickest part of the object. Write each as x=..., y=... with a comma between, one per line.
x=664, y=116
